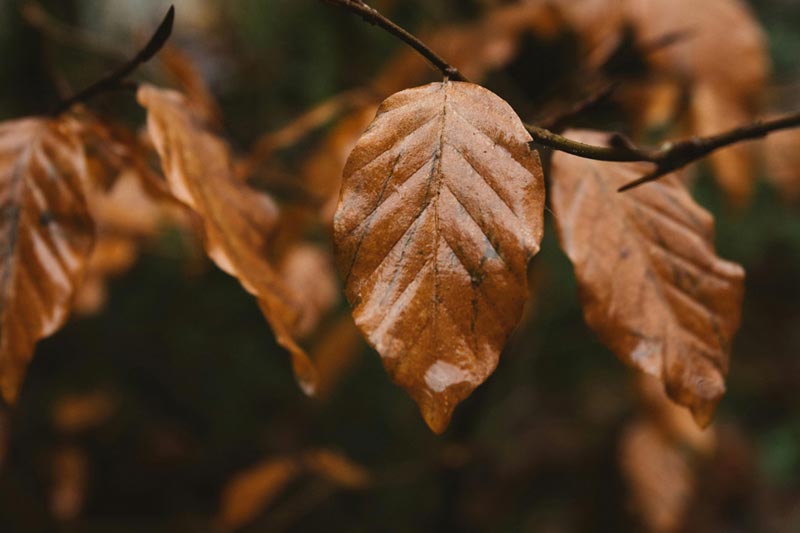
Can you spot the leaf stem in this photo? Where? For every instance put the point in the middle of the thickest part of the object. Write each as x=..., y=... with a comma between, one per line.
x=374, y=17
x=116, y=80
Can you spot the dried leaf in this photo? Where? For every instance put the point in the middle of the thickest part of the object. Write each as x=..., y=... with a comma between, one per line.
x=598, y=24
x=651, y=286
x=309, y=273
x=714, y=111
x=182, y=70
x=323, y=171
x=713, y=32
x=70, y=478
x=659, y=476
x=46, y=234
x=125, y=216
x=253, y=490
x=672, y=419
x=74, y=413
x=337, y=469
x=335, y=353
x=441, y=209
x=782, y=155
x=237, y=221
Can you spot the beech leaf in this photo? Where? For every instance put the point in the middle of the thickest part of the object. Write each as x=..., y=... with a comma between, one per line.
x=651, y=285
x=441, y=208
x=46, y=236
x=237, y=221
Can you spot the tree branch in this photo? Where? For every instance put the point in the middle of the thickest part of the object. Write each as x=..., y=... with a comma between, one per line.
x=116, y=79
x=669, y=157
x=374, y=17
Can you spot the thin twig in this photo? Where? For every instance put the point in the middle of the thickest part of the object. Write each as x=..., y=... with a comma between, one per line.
x=669, y=157
x=300, y=127
x=116, y=79
x=374, y=17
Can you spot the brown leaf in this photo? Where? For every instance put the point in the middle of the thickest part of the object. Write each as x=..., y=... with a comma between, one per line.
x=659, y=475
x=182, y=70
x=253, y=490
x=46, y=237
x=651, y=286
x=714, y=111
x=338, y=349
x=125, y=216
x=713, y=32
x=337, y=469
x=441, y=209
x=237, y=221
x=673, y=420
x=309, y=273
x=70, y=479
x=782, y=155
x=256, y=489
x=323, y=171
x=74, y=413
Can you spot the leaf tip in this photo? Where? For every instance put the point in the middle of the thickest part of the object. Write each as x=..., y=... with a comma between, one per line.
x=437, y=415
x=305, y=373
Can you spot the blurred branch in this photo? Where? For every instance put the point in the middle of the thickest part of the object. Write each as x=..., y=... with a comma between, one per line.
x=117, y=79
x=374, y=17
x=300, y=127
x=669, y=157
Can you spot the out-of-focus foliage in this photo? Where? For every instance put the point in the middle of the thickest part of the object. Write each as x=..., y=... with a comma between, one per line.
x=143, y=416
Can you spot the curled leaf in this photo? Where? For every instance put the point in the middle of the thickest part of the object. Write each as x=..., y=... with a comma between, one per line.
x=46, y=236
x=441, y=209
x=651, y=285
x=237, y=221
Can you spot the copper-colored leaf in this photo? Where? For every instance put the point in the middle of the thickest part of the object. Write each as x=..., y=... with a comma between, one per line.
x=46, y=236
x=659, y=475
x=309, y=273
x=782, y=155
x=651, y=285
x=253, y=490
x=337, y=469
x=74, y=413
x=256, y=489
x=714, y=110
x=440, y=211
x=323, y=171
x=70, y=479
x=236, y=220
x=712, y=32
x=183, y=71
x=335, y=353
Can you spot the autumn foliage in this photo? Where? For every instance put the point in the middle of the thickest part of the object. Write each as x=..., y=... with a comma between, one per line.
x=425, y=201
